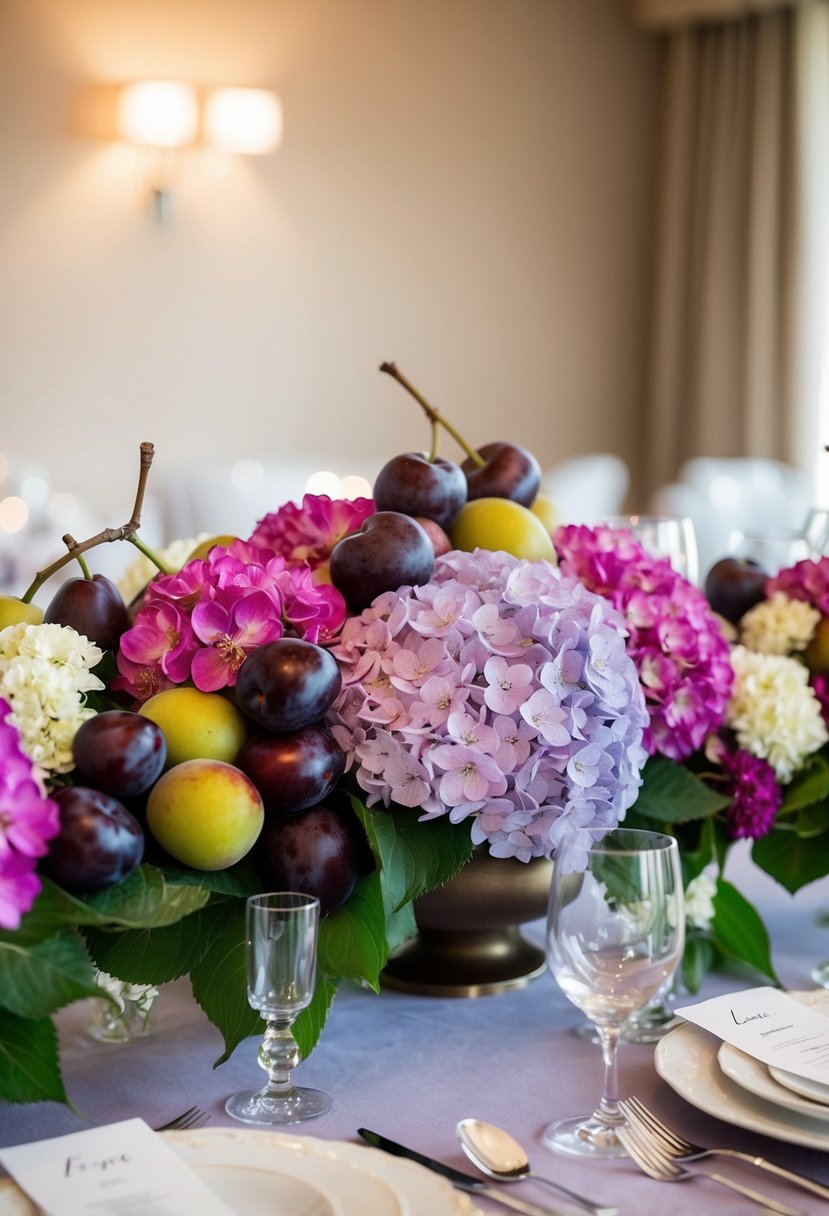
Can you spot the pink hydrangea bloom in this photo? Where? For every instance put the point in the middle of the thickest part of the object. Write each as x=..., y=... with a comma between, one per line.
x=199, y=624
x=680, y=653
x=28, y=819
x=499, y=692
x=807, y=580
x=307, y=534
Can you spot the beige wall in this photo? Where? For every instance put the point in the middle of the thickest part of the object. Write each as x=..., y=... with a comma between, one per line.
x=464, y=186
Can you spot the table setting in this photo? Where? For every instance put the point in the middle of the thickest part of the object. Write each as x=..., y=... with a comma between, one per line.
x=381, y=799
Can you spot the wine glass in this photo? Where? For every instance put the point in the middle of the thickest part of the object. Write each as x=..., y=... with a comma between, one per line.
x=281, y=933
x=670, y=536
x=615, y=933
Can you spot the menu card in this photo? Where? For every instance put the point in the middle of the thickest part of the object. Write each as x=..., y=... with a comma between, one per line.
x=769, y=1025
x=123, y=1169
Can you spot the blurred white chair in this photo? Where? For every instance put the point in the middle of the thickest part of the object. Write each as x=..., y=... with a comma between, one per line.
x=724, y=494
x=587, y=488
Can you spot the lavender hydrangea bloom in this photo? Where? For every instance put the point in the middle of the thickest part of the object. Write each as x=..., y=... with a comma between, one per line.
x=501, y=693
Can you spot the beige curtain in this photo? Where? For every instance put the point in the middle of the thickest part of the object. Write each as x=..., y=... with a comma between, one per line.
x=739, y=325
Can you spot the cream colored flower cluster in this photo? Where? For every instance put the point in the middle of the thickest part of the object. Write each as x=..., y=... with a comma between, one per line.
x=44, y=675
x=773, y=711
x=138, y=573
x=779, y=625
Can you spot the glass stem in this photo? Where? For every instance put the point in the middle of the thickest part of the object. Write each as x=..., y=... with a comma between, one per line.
x=278, y=1055
x=608, y=1112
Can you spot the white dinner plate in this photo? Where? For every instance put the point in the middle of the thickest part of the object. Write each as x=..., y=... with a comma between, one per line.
x=817, y=1091
x=687, y=1059
x=758, y=1078
x=263, y=1173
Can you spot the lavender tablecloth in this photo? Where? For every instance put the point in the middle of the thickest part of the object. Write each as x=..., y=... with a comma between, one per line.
x=411, y=1067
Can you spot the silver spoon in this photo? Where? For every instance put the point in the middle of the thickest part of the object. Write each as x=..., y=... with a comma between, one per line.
x=499, y=1156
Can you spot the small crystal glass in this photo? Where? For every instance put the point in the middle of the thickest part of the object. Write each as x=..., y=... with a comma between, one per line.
x=615, y=934
x=281, y=932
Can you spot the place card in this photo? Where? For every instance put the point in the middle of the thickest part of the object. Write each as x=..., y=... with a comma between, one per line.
x=122, y=1169
x=769, y=1025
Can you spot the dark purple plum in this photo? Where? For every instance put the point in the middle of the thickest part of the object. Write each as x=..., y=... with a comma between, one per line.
x=389, y=551
x=287, y=684
x=510, y=471
x=312, y=852
x=93, y=606
x=735, y=584
x=99, y=842
x=414, y=485
x=293, y=770
x=119, y=752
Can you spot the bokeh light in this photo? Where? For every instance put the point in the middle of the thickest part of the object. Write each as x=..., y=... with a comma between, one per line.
x=14, y=514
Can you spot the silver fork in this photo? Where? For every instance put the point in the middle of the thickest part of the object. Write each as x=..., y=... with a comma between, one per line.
x=655, y=1165
x=191, y=1118
x=679, y=1149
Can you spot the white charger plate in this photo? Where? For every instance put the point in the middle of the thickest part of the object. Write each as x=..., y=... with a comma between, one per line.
x=263, y=1173
x=687, y=1060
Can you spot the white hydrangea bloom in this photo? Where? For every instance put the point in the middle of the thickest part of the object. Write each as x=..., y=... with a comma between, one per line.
x=138, y=573
x=141, y=995
x=773, y=711
x=44, y=674
x=779, y=625
x=699, y=901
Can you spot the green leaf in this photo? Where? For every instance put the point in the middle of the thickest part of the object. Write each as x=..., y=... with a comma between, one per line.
x=671, y=793
x=309, y=1025
x=400, y=926
x=792, y=860
x=352, y=940
x=810, y=785
x=29, y=1062
x=412, y=857
x=738, y=931
x=697, y=961
x=219, y=982
x=237, y=880
x=36, y=980
x=145, y=900
x=157, y=956
x=812, y=821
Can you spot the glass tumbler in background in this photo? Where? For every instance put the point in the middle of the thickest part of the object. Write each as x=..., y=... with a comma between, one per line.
x=670, y=536
x=773, y=549
x=281, y=933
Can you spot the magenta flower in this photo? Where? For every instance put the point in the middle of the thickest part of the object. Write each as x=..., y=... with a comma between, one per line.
x=306, y=535
x=28, y=819
x=807, y=580
x=161, y=639
x=755, y=795
x=680, y=653
x=230, y=625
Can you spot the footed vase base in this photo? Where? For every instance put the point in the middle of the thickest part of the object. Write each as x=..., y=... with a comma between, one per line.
x=464, y=963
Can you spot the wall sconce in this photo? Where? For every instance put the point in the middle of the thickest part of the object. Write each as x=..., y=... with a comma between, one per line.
x=243, y=120
x=166, y=115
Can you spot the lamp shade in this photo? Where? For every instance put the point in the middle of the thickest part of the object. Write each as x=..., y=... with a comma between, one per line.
x=243, y=120
x=163, y=113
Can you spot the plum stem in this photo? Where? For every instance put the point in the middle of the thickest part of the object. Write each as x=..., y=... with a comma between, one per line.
x=71, y=544
x=434, y=415
x=435, y=448
x=125, y=532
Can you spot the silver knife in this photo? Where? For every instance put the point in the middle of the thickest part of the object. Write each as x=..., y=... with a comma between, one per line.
x=464, y=1182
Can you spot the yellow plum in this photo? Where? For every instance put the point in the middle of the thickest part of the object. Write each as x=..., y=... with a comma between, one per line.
x=544, y=507
x=501, y=524
x=197, y=725
x=13, y=611
x=205, y=813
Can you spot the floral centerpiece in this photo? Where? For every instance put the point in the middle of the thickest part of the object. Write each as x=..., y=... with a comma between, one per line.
x=495, y=704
